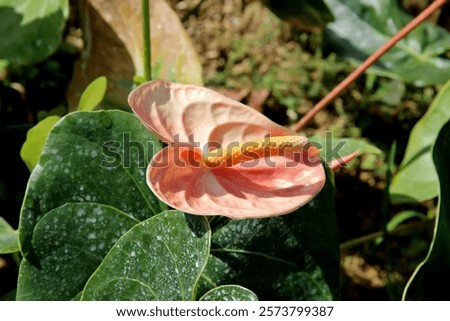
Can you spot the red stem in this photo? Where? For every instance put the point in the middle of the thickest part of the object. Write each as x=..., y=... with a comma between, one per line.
x=366, y=64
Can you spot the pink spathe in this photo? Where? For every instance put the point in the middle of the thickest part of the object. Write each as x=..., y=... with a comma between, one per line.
x=196, y=123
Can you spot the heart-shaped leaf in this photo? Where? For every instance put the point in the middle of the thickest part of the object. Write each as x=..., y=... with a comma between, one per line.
x=229, y=293
x=67, y=259
x=31, y=30
x=114, y=49
x=361, y=27
x=89, y=158
x=431, y=279
x=159, y=259
x=290, y=257
x=416, y=179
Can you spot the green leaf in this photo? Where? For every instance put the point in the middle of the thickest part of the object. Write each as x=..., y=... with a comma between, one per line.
x=158, y=259
x=31, y=30
x=93, y=94
x=36, y=137
x=3, y=64
x=416, y=179
x=302, y=14
x=403, y=216
x=333, y=148
x=9, y=239
x=290, y=257
x=361, y=27
x=89, y=158
x=390, y=92
x=398, y=219
x=59, y=110
x=431, y=279
x=229, y=293
x=69, y=243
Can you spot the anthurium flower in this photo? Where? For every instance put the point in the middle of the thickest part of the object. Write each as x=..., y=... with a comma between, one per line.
x=224, y=158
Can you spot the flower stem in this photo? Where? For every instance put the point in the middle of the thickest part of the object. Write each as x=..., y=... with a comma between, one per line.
x=367, y=63
x=407, y=228
x=147, y=40
x=385, y=212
